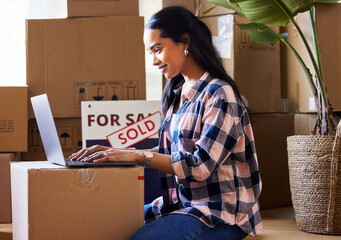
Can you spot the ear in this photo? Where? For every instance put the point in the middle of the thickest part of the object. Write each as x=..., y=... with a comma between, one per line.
x=186, y=40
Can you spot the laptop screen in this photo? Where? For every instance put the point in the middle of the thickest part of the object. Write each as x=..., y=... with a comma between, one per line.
x=47, y=129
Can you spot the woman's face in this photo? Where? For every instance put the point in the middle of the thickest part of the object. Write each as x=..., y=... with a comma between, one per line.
x=168, y=56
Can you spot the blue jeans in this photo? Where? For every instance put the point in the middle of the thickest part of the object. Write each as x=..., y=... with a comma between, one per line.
x=181, y=226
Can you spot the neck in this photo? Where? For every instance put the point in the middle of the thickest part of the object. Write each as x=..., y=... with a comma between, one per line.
x=193, y=71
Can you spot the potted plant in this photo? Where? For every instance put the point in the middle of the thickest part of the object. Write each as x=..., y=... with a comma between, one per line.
x=313, y=160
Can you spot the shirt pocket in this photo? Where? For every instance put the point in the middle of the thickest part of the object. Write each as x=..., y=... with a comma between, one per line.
x=187, y=144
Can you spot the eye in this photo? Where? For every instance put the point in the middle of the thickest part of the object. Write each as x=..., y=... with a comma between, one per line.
x=157, y=50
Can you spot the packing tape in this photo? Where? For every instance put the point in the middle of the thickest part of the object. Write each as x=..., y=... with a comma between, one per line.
x=85, y=177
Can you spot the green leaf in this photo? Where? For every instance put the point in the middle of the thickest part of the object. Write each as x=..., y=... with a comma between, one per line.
x=261, y=33
x=226, y=4
x=209, y=10
x=270, y=12
x=327, y=1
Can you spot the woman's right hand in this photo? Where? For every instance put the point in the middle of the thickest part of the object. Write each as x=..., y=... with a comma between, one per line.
x=83, y=153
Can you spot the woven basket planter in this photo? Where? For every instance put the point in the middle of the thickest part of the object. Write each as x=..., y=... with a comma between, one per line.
x=315, y=182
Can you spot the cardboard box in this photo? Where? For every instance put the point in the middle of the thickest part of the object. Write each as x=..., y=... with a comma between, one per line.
x=299, y=94
x=189, y=4
x=305, y=123
x=198, y=7
x=80, y=59
x=328, y=20
x=13, y=119
x=259, y=81
x=54, y=202
x=42, y=9
x=217, y=10
x=70, y=136
x=271, y=131
x=5, y=187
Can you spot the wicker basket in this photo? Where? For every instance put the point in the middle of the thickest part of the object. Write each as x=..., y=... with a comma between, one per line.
x=315, y=182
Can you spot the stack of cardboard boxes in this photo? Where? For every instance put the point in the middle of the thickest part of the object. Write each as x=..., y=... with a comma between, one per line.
x=13, y=138
x=256, y=68
x=299, y=95
x=76, y=51
x=94, y=54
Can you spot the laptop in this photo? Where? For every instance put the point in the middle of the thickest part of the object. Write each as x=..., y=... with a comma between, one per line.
x=50, y=139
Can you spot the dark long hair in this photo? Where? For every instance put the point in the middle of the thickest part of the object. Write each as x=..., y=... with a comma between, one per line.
x=173, y=22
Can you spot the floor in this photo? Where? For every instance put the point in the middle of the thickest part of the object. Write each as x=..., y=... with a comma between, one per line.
x=5, y=231
x=279, y=224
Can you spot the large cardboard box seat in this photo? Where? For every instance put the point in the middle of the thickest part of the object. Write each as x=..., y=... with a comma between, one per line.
x=55, y=202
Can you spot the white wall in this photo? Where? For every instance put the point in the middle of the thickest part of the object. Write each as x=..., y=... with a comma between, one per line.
x=12, y=43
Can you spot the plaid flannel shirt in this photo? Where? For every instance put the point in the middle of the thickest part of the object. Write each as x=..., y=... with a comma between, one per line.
x=214, y=158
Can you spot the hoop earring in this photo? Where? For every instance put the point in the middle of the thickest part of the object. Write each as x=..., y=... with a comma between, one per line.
x=186, y=52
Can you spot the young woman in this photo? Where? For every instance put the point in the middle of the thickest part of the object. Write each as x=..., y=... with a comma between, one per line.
x=206, y=153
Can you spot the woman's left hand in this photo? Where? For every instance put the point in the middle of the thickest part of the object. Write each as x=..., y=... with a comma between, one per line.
x=113, y=155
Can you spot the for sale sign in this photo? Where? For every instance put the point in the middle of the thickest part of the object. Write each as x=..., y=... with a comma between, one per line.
x=112, y=118
x=136, y=132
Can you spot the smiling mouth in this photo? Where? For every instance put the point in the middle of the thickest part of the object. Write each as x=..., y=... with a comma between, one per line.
x=163, y=68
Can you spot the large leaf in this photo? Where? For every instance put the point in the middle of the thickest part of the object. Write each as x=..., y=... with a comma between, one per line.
x=260, y=33
x=327, y=1
x=226, y=4
x=271, y=12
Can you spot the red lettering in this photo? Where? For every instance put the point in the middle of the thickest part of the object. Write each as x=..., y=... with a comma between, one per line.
x=143, y=133
x=103, y=117
x=149, y=125
x=122, y=138
x=90, y=119
x=130, y=119
x=114, y=119
x=130, y=137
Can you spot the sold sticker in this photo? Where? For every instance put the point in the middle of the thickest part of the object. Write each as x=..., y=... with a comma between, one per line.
x=135, y=132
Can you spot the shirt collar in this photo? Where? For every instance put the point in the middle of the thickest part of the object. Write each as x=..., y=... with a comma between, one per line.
x=197, y=87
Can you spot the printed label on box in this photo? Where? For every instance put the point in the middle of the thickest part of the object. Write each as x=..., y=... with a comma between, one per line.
x=6, y=126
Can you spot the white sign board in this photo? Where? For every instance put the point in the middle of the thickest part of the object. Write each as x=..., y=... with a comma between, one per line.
x=103, y=118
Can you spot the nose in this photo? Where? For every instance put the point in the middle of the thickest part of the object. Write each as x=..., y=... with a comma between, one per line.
x=155, y=61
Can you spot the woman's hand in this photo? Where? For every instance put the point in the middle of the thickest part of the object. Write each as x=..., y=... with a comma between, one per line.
x=98, y=153
x=115, y=155
x=85, y=152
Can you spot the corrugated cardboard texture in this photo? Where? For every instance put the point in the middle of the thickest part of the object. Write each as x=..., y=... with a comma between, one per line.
x=48, y=9
x=305, y=123
x=271, y=131
x=189, y=4
x=5, y=187
x=328, y=20
x=79, y=59
x=255, y=68
x=78, y=8
x=218, y=10
x=82, y=203
x=70, y=137
x=13, y=119
x=198, y=7
x=298, y=88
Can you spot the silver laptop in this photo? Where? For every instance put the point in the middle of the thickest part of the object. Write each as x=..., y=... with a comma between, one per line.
x=50, y=139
